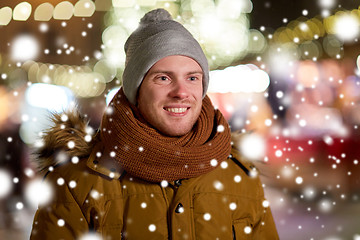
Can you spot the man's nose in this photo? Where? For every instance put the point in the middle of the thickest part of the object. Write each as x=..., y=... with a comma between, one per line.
x=179, y=90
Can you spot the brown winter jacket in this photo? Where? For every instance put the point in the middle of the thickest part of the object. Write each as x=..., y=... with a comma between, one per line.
x=227, y=203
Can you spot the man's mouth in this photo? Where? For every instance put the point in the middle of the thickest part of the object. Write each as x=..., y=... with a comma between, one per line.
x=176, y=110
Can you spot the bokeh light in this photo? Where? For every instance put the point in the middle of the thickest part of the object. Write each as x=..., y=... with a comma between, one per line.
x=50, y=97
x=6, y=183
x=347, y=27
x=237, y=79
x=253, y=146
x=44, y=12
x=288, y=84
x=63, y=10
x=38, y=192
x=5, y=15
x=24, y=47
x=22, y=11
x=84, y=8
x=327, y=3
x=111, y=95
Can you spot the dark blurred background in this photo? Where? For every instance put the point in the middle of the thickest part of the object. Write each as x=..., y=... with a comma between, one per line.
x=286, y=71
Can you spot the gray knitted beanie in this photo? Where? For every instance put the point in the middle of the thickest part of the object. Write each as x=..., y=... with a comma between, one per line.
x=158, y=36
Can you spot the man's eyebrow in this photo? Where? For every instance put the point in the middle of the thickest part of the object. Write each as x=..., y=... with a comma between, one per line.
x=171, y=72
x=196, y=72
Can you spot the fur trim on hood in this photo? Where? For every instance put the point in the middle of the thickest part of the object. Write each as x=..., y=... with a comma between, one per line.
x=69, y=137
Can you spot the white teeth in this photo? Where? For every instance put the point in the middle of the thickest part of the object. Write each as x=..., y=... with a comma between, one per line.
x=176, y=110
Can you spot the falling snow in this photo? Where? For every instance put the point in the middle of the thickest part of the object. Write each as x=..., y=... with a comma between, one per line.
x=304, y=126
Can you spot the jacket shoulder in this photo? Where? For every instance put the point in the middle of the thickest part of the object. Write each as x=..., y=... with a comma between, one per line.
x=81, y=181
x=245, y=165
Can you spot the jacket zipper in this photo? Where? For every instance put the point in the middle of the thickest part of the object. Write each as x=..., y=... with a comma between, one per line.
x=168, y=212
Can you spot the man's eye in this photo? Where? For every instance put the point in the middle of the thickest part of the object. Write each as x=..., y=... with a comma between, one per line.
x=163, y=78
x=193, y=78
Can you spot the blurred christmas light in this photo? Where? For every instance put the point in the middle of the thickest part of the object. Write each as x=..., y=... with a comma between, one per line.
x=44, y=12
x=50, y=97
x=241, y=78
x=281, y=57
x=346, y=27
x=287, y=172
x=91, y=236
x=38, y=192
x=114, y=38
x=24, y=47
x=253, y=146
x=43, y=27
x=308, y=74
x=123, y=3
x=63, y=11
x=22, y=11
x=105, y=70
x=325, y=205
x=332, y=46
x=111, y=95
x=5, y=16
x=84, y=8
x=233, y=8
x=327, y=3
x=6, y=183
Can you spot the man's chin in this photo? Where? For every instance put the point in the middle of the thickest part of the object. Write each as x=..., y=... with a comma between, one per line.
x=177, y=132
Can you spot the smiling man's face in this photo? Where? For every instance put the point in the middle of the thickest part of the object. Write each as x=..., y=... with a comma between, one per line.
x=170, y=96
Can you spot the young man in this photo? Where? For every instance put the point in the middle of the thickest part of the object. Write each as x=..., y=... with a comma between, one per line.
x=161, y=165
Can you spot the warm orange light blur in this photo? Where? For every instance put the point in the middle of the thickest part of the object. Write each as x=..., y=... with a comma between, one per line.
x=4, y=106
x=308, y=74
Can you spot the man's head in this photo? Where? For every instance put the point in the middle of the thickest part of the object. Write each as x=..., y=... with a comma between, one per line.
x=166, y=73
x=157, y=37
x=170, y=96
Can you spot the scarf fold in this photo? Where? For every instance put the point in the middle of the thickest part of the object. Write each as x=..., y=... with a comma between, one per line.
x=147, y=154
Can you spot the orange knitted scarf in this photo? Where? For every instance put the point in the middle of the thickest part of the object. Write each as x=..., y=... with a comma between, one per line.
x=147, y=154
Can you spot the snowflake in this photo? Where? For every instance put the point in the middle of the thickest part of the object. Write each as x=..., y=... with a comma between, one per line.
x=152, y=227
x=207, y=216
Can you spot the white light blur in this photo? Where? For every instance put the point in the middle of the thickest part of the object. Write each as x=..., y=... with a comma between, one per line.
x=346, y=27
x=50, y=97
x=111, y=95
x=123, y=4
x=44, y=27
x=210, y=26
x=241, y=78
x=218, y=185
x=299, y=180
x=113, y=38
x=6, y=183
x=22, y=11
x=287, y=172
x=310, y=193
x=281, y=59
x=38, y=192
x=5, y=15
x=233, y=8
x=253, y=146
x=327, y=3
x=91, y=236
x=325, y=205
x=24, y=47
